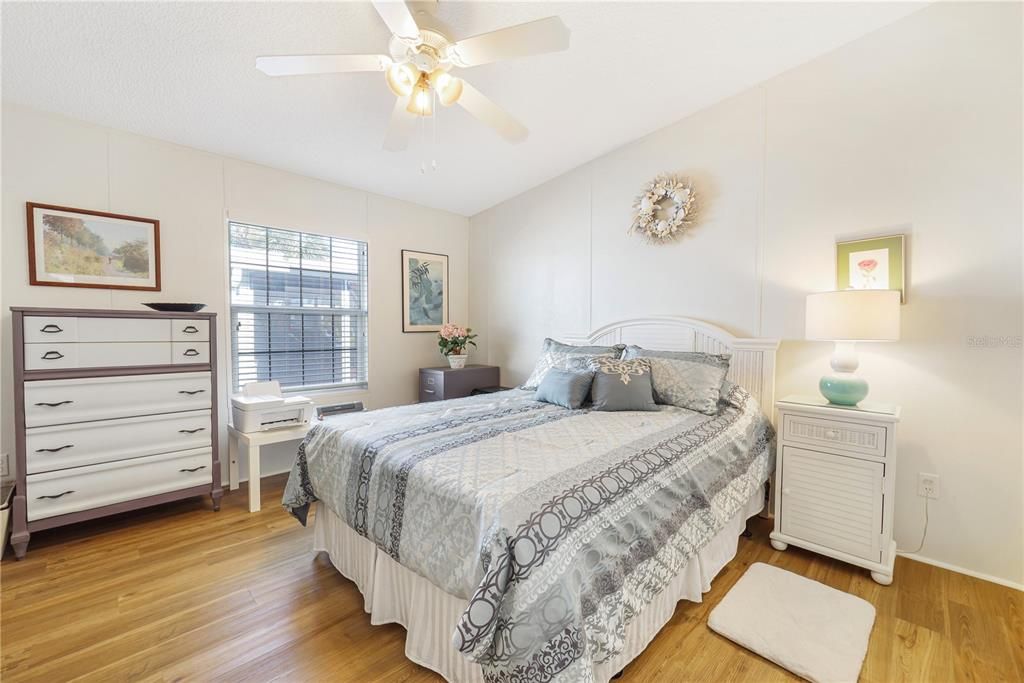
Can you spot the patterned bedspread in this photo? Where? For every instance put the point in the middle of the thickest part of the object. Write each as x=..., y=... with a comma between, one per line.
x=557, y=526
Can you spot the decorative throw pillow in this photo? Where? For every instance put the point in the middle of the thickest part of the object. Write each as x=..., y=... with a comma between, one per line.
x=621, y=384
x=565, y=388
x=557, y=355
x=686, y=379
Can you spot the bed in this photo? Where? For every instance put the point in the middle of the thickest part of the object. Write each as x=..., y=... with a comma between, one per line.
x=520, y=541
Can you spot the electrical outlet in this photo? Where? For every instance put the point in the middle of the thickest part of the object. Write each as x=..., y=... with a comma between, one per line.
x=5, y=466
x=927, y=485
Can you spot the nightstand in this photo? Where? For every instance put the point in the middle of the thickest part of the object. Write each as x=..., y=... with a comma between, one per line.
x=835, y=477
x=438, y=384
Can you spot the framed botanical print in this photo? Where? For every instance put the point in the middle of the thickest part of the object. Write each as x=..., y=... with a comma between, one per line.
x=80, y=248
x=424, y=291
x=876, y=263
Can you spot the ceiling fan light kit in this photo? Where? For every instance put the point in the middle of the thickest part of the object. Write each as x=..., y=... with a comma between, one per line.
x=419, y=64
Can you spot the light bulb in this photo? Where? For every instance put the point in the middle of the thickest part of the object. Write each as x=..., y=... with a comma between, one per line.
x=421, y=103
x=402, y=78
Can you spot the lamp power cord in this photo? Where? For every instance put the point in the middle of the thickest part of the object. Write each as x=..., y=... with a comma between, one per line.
x=924, y=534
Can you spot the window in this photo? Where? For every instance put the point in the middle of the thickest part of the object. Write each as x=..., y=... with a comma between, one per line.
x=298, y=308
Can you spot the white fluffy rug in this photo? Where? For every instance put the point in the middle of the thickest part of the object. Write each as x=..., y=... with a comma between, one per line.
x=811, y=629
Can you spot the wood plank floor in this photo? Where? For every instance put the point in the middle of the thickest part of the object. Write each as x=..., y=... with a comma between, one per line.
x=182, y=593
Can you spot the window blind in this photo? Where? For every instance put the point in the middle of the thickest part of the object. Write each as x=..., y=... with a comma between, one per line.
x=298, y=308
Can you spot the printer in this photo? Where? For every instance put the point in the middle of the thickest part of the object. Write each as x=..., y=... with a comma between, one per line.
x=261, y=407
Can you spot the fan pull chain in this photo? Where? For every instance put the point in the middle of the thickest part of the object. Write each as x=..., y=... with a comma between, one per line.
x=423, y=139
x=437, y=114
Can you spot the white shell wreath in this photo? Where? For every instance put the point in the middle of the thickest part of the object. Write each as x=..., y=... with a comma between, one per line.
x=664, y=211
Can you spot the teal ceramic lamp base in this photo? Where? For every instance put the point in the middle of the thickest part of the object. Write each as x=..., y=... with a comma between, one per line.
x=844, y=388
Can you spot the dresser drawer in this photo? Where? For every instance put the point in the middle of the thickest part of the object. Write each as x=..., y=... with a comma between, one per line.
x=50, y=329
x=63, y=401
x=82, y=488
x=190, y=330
x=87, y=443
x=123, y=330
x=95, y=355
x=835, y=434
x=431, y=386
x=190, y=352
x=832, y=500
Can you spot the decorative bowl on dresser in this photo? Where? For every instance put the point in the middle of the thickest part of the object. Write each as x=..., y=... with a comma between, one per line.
x=114, y=411
x=835, y=480
x=440, y=383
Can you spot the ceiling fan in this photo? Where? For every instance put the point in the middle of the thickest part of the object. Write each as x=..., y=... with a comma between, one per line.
x=420, y=63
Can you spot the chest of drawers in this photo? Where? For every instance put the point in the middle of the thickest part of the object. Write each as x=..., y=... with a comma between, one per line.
x=114, y=411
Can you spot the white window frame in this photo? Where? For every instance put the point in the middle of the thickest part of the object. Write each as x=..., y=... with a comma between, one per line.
x=362, y=312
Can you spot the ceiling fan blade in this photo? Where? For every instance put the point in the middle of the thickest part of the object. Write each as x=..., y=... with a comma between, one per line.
x=523, y=40
x=297, y=65
x=477, y=104
x=399, y=20
x=400, y=128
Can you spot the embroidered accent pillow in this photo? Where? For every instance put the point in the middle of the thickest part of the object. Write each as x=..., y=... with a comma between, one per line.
x=621, y=384
x=565, y=388
x=686, y=379
x=555, y=354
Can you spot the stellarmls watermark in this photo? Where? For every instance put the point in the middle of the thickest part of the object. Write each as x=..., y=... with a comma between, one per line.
x=988, y=341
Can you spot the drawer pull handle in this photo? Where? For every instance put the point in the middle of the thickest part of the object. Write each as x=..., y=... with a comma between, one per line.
x=191, y=431
x=54, y=450
x=59, y=495
x=190, y=352
x=52, y=355
x=428, y=391
x=50, y=328
x=54, y=405
x=190, y=329
x=193, y=469
x=193, y=392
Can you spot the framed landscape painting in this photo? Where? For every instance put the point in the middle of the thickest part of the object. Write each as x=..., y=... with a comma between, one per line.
x=424, y=291
x=876, y=263
x=79, y=248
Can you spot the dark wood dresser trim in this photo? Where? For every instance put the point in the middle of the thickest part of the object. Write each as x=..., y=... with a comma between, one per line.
x=22, y=528
x=100, y=313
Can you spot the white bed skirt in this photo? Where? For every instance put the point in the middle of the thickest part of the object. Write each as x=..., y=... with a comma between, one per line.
x=393, y=593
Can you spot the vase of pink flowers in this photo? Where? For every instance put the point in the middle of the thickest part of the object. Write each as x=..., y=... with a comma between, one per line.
x=454, y=340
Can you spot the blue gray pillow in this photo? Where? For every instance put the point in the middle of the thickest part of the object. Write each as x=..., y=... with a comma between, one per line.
x=557, y=355
x=621, y=384
x=565, y=388
x=686, y=379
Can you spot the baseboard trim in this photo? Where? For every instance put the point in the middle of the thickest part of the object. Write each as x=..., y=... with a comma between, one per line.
x=962, y=570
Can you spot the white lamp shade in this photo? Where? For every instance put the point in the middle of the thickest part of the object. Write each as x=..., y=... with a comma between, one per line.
x=854, y=315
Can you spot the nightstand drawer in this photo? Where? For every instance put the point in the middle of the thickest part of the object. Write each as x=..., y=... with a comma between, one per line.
x=832, y=500
x=834, y=434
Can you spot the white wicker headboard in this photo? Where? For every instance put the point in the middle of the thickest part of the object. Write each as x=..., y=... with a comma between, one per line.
x=753, y=360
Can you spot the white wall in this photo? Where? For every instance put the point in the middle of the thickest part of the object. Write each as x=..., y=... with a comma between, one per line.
x=915, y=128
x=51, y=159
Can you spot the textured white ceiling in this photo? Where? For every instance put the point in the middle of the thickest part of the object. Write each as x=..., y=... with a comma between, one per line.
x=184, y=72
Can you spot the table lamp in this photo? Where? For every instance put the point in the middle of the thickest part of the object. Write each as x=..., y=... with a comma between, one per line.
x=845, y=318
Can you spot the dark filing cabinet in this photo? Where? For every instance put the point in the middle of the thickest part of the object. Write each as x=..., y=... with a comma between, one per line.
x=438, y=384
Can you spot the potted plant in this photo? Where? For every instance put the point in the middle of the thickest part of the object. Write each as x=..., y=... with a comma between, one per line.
x=453, y=340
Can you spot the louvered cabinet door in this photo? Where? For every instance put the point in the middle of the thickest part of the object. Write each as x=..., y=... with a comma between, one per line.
x=833, y=500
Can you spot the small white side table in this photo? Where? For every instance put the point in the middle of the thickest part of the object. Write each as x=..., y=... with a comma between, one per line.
x=253, y=441
x=835, y=481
